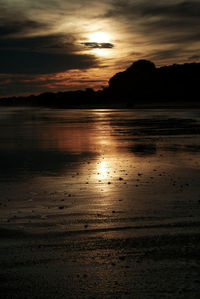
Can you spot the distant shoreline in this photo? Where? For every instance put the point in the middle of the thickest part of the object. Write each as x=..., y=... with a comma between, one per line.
x=142, y=85
x=136, y=106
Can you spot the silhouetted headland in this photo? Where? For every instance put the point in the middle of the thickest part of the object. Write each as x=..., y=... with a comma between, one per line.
x=140, y=85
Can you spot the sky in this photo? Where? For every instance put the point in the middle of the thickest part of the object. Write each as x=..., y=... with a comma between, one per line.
x=61, y=45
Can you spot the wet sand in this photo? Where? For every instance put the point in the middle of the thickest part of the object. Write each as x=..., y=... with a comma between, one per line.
x=99, y=203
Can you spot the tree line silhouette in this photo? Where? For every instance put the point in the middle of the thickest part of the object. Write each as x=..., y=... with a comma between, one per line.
x=140, y=84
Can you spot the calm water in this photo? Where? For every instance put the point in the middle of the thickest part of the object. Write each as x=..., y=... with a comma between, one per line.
x=100, y=170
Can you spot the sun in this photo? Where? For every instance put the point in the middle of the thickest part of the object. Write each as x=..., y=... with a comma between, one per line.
x=99, y=37
x=100, y=43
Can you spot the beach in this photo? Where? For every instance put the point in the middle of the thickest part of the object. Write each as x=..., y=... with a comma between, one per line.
x=99, y=203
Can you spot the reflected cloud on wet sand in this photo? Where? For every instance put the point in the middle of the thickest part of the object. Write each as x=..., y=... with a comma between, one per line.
x=94, y=160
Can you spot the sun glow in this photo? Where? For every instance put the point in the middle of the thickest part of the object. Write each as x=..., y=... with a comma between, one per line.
x=103, y=40
x=99, y=37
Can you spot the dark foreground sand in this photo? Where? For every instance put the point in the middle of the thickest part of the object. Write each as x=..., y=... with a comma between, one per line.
x=96, y=265
x=100, y=205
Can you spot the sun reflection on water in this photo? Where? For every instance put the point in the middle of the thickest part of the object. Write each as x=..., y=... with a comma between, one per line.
x=103, y=170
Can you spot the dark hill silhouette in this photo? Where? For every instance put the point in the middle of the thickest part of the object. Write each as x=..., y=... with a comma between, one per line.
x=141, y=66
x=142, y=81
x=134, y=82
x=141, y=84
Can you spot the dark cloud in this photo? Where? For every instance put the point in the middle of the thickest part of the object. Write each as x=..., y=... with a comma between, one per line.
x=94, y=45
x=23, y=58
x=166, y=21
x=39, y=54
x=14, y=22
x=162, y=54
x=26, y=49
x=50, y=41
x=144, y=8
x=177, y=53
x=194, y=57
x=13, y=27
x=186, y=9
x=27, y=62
